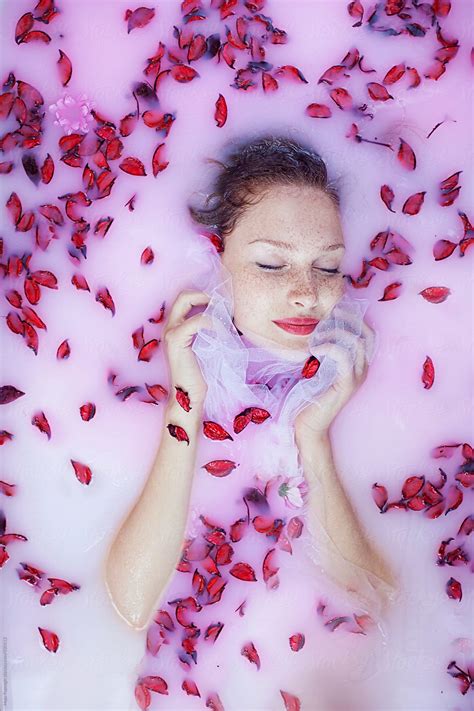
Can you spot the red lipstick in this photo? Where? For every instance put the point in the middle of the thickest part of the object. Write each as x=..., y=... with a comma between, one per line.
x=299, y=326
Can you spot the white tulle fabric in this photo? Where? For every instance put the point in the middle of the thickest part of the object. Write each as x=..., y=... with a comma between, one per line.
x=240, y=374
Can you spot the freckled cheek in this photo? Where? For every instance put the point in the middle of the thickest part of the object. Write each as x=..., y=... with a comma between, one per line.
x=339, y=287
x=253, y=298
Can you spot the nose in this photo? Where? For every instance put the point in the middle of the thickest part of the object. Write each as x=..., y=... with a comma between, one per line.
x=304, y=293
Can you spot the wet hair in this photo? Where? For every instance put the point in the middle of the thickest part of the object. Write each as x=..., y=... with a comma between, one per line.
x=252, y=167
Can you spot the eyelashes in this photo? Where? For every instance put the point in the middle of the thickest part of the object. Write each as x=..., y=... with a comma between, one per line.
x=272, y=268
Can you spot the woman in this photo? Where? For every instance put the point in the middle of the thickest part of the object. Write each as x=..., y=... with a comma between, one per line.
x=281, y=245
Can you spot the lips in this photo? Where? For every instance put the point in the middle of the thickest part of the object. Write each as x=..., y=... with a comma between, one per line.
x=299, y=326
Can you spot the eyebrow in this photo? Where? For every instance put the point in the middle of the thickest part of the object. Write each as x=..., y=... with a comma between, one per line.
x=291, y=247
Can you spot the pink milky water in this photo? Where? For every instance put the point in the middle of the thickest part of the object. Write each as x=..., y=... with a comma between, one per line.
x=386, y=433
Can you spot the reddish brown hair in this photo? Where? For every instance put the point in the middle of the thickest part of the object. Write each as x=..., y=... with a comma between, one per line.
x=249, y=169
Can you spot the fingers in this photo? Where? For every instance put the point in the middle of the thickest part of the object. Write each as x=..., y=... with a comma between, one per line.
x=349, y=332
x=361, y=365
x=183, y=303
x=338, y=353
x=349, y=359
x=182, y=334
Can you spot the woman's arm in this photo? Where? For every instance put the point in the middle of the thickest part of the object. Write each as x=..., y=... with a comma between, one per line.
x=329, y=506
x=148, y=545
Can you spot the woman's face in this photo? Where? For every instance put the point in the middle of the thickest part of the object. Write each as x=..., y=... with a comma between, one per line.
x=302, y=285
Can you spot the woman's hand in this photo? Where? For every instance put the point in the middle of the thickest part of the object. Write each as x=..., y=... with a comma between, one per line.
x=178, y=336
x=318, y=415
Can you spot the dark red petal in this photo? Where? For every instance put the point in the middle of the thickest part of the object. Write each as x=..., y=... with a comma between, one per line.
x=82, y=471
x=269, y=83
x=133, y=166
x=450, y=183
x=446, y=199
x=24, y=25
x=214, y=703
x=378, y=92
x=412, y=486
x=182, y=398
x=155, y=683
x=190, y=687
x=241, y=421
x=183, y=73
x=310, y=367
x=39, y=420
x=394, y=74
x=197, y=48
x=148, y=350
x=31, y=337
x=213, y=631
x=87, y=411
x=45, y=278
x=158, y=164
x=104, y=297
x=6, y=104
x=63, y=351
x=6, y=167
x=435, y=294
x=178, y=433
x=387, y=195
x=454, y=589
x=147, y=256
x=294, y=527
x=268, y=569
x=380, y=495
x=8, y=393
x=14, y=207
x=142, y=696
x=102, y=226
x=341, y=98
x=465, y=529
x=52, y=213
x=128, y=124
x=63, y=586
x=7, y=489
x=159, y=318
x=391, y=291
x=213, y=430
x=36, y=35
x=5, y=436
x=406, y=155
x=297, y=641
x=259, y=415
x=288, y=70
x=64, y=67
x=292, y=702
x=249, y=651
x=220, y=467
x=333, y=74
x=32, y=317
x=443, y=248
x=243, y=571
x=428, y=373
x=220, y=114
x=139, y=18
x=413, y=204
x=50, y=639
x=454, y=498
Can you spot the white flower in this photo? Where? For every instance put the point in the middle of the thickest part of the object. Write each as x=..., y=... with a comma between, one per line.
x=293, y=490
x=73, y=114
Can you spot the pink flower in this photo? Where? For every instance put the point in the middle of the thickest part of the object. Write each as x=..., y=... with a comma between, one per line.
x=293, y=491
x=73, y=114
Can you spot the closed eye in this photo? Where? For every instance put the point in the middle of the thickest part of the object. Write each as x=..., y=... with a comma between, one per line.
x=268, y=266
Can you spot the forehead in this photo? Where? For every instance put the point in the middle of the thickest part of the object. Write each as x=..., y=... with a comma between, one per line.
x=291, y=213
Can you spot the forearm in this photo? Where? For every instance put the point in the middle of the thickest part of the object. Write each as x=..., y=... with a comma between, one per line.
x=329, y=504
x=148, y=546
